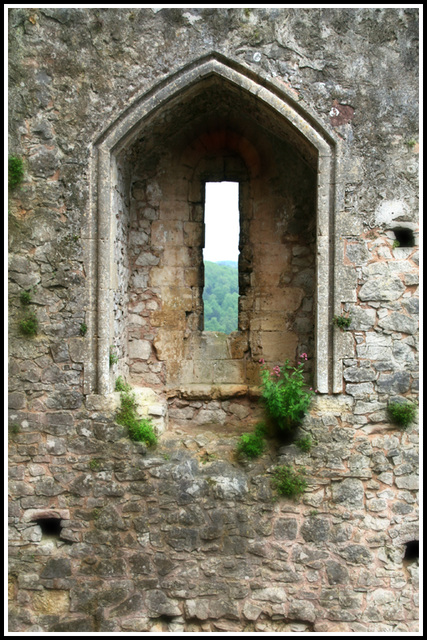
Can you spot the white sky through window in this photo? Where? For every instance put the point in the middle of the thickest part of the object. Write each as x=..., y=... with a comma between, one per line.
x=221, y=221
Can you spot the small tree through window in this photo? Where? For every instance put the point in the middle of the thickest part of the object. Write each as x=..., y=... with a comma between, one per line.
x=221, y=256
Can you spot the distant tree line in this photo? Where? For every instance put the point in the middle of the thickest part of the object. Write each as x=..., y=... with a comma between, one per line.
x=221, y=296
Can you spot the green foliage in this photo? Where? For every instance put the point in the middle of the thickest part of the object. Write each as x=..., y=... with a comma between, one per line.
x=252, y=444
x=221, y=296
x=342, y=322
x=143, y=431
x=25, y=297
x=289, y=482
x=304, y=443
x=285, y=394
x=95, y=464
x=114, y=358
x=411, y=143
x=396, y=244
x=402, y=413
x=29, y=325
x=140, y=429
x=121, y=385
x=83, y=329
x=16, y=171
x=14, y=428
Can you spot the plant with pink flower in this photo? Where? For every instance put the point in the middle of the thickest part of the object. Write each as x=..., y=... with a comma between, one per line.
x=285, y=393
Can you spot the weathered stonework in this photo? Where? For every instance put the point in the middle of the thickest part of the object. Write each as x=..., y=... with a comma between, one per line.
x=121, y=116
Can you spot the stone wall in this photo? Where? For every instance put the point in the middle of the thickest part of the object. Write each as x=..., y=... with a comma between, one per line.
x=188, y=536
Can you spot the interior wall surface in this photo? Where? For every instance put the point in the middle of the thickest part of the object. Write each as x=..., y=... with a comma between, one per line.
x=277, y=224
x=120, y=117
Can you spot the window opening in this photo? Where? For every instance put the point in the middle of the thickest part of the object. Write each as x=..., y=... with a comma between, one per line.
x=405, y=237
x=51, y=528
x=412, y=551
x=221, y=257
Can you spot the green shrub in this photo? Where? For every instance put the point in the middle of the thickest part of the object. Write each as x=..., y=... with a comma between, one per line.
x=289, y=482
x=16, y=171
x=83, y=329
x=402, y=413
x=25, y=297
x=121, y=385
x=342, y=322
x=29, y=325
x=285, y=393
x=114, y=358
x=140, y=429
x=252, y=444
x=95, y=464
x=304, y=443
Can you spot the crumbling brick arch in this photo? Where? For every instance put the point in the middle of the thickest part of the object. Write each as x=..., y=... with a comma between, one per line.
x=284, y=117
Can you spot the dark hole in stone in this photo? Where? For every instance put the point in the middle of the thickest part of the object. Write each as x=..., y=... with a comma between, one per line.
x=51, y=527
x=405, y=237
x=412, y=551
x=163, y=621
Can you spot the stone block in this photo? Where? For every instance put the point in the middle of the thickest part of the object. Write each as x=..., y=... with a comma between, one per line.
x=176, y=256
x=395, y=383
x=362, y=319
x=193, y=277
x=350, y=493
x=356, y=554
x=209, y=346
x=109, y=403
x=362, y=390
x=167, y=232
x=228, y=372
x=164, y=275
x=50, y=602
x=272, y=321
x=198, y=609
x=410, y=482
x=359, y=374
x=285, y=300
x=337, y=573
x=17, y=400
x=315, y=530
x=139, y=280
x=137, y=624
x=357, y=253
x=210, y=416
x=278, y=347
x=384, y=289
x=193, y=234
x=158, y=410
x=147, y=259
x=285, y=528
x=399, y=322
x=270, y=594
x=140, y=349
x=56, y=568
x=238, y=345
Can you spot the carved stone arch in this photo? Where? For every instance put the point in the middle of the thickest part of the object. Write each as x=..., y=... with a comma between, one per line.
x=276, y=108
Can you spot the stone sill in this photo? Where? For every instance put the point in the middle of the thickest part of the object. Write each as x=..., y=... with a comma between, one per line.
x=213, y=391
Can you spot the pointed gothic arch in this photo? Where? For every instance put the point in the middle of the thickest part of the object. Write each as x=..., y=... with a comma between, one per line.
x=308, y=134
